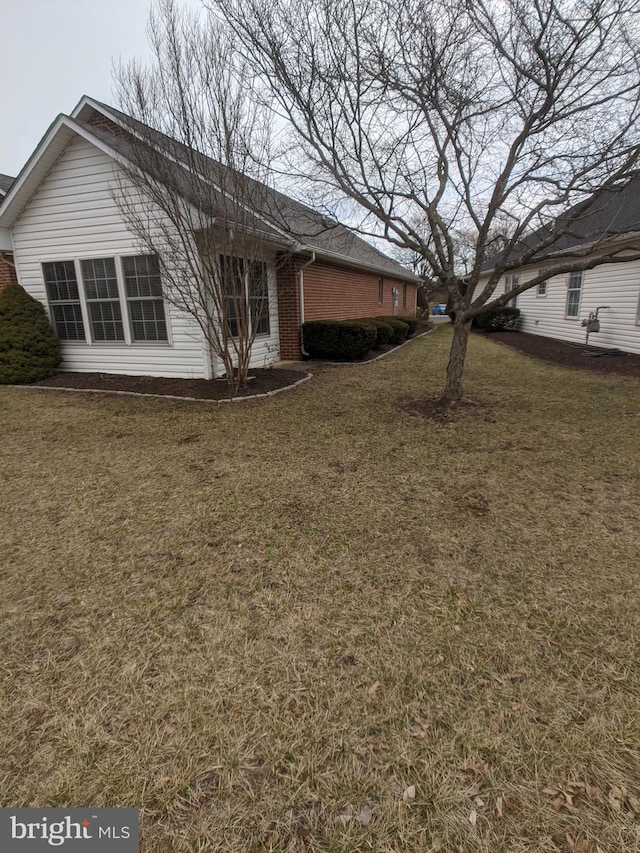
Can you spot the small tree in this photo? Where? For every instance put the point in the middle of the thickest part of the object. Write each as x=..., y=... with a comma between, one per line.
x=29, y=348
x=190, y=187
x=483, y=118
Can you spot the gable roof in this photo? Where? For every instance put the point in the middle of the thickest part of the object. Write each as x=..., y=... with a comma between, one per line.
x=611, y=213
x=277, y=216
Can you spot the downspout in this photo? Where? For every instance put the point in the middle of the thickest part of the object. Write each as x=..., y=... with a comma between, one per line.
x=301, y=280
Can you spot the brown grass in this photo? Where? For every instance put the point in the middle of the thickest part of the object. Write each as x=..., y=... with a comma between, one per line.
x=258, y=622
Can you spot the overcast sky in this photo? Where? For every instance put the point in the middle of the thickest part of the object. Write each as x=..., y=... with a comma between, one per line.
x=54, y=51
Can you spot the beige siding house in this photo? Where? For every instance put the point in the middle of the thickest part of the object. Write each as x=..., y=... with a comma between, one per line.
x=557, y=307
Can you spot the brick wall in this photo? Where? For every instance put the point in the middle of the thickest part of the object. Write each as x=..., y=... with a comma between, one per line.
x=332, y=293
x=288, y=307
x=7, y=270
x=339, y=293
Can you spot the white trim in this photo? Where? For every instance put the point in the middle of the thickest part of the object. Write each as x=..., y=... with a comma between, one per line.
x=89, y=340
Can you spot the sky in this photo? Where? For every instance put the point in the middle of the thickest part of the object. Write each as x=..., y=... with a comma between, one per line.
x=54, y=51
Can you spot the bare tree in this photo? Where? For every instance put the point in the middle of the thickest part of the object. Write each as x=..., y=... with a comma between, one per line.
x=483, y=117
x=191, y=186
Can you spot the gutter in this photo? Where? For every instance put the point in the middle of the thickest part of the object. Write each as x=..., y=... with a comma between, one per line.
x=312, y=260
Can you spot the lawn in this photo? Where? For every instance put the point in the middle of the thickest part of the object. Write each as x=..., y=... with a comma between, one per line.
x=320, y=622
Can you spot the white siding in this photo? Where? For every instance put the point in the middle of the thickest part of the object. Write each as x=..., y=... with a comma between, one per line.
x=615, y=285
x=72, y=215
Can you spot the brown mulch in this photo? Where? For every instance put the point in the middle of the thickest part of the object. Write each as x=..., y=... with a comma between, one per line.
x=570, y=355
x=261, y=382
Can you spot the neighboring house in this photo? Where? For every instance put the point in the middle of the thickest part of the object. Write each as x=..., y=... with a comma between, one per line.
x=557, y=307
x=7, y=269
x=74, y=252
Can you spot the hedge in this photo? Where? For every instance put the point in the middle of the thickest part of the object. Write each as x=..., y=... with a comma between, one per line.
x=384, y=332
x=400, y=329
x=340, y=340
x=497, y=320
x=412, y=322
x=29, y=348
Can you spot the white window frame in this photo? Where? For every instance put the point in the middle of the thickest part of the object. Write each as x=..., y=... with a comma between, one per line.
x=543, y=284
x=52, y=303
x=259, y=336
x=571, y=290
x=122, y=298
x=117, y=299
x=510, y=281
x=127, y=299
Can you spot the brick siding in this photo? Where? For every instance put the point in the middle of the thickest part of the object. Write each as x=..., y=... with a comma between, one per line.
x=332, y=293
x=7, y=270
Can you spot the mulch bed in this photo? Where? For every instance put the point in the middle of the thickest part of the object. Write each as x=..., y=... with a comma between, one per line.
x=570, y=355
x=262, y=381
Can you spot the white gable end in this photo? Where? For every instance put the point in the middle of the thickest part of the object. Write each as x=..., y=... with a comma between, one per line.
x=73, y=216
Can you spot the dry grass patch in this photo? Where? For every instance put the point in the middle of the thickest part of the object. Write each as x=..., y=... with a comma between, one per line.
x=321, y=623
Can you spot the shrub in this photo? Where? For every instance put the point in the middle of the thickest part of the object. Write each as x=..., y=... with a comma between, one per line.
x=29, y=348
x=412, y=322
x=340, y=340
x=400, y=329
x=497, y=320
x=384, y=332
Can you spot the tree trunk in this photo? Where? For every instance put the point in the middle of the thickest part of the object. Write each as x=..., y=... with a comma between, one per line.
x=457, y=355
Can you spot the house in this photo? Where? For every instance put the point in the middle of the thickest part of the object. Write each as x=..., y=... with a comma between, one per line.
x=74, y=252
x=7, y=268
x=557, y=307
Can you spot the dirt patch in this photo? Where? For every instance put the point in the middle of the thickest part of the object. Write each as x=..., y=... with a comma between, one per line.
x=435, y=409
x=261, y=382
x=570, y=355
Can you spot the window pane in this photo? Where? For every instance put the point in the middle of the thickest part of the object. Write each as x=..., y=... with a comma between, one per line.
x=99, y=276
x=60, y=281
x=573, y=294
x=147, y=320
x=259, y=299
x=106, y=321
x=67, y=320
x=142, y=276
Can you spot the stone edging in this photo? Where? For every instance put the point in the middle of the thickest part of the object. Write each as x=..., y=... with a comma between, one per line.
x=305, y=378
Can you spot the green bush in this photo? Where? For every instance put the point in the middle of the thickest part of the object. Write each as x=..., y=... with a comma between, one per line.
x=412, y=322
x=29, y=348
x=339, y=340
x=384, y=332
x=400, y=329
x=497, y=320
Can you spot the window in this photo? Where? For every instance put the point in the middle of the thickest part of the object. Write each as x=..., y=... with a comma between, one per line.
x=103, y=300
x=541, y=290
x=256, y=292
x=99, y=300
x=510, y=282
x=64, y=300
x=404, y=296
x=574, y=291
x=143, y=290
x=380, y=291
